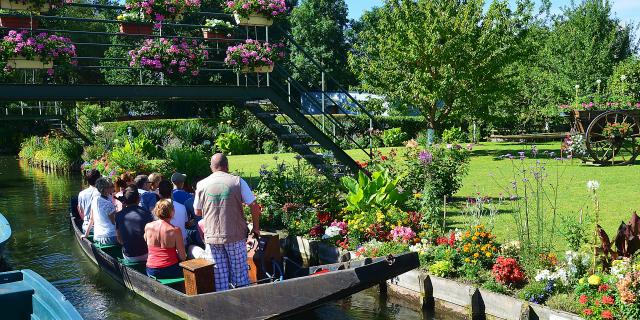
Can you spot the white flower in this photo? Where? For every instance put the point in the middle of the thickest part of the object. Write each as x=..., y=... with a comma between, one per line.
x=577, y=86
x=331, y=232
x=593, y=185
x=543, y=275
x=598, y=81
x=623, y=77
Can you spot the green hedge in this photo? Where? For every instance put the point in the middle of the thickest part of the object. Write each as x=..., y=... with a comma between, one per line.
x=120, y=128
x=409, y=125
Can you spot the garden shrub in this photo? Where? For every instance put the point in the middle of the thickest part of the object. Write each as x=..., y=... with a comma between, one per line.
x=192, y=161
x=507, y=271
x=536, y=292
x=374, y=248
x=233, y=143
x=565, y=302
x=50, y=151
x=270, y=146
x=394, y=137
x=454, y=135
x=495, y=286
x=92, y=152
x=442, y=268
x=625, y=81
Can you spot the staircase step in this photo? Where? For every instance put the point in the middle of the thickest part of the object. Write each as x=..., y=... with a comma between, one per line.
x=294, y=135
x=269, y=114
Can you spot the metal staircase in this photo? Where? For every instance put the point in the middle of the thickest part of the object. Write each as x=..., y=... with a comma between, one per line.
x=275, y=98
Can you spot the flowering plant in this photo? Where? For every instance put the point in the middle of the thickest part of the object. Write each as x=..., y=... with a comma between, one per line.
x=133, y=16
x=40, y=4
x=628, y=290
x=176, y=58
x=218, y=25
x=597, y=297
x=477, y=246
x=245, y=8
x=253, y=54
x=507, y=271
x=43, y=47
x=616, y=129
x=403, y=234
x=160, y=10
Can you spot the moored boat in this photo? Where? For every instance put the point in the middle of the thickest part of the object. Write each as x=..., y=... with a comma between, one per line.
x=294, y=292
x=5, y=233
x=25, y=294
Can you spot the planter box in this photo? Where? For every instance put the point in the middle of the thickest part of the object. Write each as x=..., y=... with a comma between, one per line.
x=253, y=20
x=263, y=69
x=19, y=22
x=499, y=306
x=9, y=5
x=302, y=250
x=136, y=28
x=213, y=35
x=545, y=313
x=22, y=63
x=456, y=296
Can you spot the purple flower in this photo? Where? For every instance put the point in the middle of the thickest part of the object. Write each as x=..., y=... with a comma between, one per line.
x=425, y=157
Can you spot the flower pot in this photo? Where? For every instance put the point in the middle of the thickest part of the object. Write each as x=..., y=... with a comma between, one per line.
x=136, y=28
x=10, y=5
x=19, y=22
x=213, y=35
x=256, y=20
x=261, y=69
x=23, y=63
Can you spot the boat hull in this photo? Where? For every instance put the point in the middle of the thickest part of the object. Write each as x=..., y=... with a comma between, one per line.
x=5, y=233
x=263, y=301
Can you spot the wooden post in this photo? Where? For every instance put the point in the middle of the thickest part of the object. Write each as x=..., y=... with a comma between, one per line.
x=198, y=276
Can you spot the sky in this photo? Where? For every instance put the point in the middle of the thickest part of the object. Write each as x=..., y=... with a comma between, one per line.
x=626, y=10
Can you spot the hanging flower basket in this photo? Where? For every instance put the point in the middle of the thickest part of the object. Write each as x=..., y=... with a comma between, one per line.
x=254, y=20
x=254, y=56
x=31, y=5
x=256, y=12
x=161, y=10
x=136, y=28
x=19, y=22
x=217, y=30
x=176, y=58
x=41, y=51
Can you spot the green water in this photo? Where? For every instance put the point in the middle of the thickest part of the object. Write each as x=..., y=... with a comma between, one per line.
x=35, y=203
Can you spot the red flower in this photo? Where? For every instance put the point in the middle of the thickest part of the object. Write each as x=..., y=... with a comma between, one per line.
x=587, y=312
x=452, y=239
x=317, y=231
x=324, y=217
x=603, y=287
x=507, y=271
x=383, y=158
x=606, y=314
x=583, y=299
x=442, y=240
x=608, y=300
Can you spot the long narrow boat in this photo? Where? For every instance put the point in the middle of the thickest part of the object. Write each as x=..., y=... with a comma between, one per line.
x=25, y=294
x=306, y=289
x=5, y=233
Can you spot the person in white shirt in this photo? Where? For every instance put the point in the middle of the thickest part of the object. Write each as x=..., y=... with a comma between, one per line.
x=86, y=196
x=103, y=215
x=179, y=218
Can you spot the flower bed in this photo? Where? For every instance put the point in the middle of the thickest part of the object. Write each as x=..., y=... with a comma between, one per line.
x=21, y=50
x=254, y=56
x=176, y=58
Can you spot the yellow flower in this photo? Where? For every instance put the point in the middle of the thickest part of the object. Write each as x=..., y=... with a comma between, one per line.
x=474, y=238
x=467, y=260
x=476, y=255
x=594, y=280
x=581, y=281
x=488, y=254
x=417, y=195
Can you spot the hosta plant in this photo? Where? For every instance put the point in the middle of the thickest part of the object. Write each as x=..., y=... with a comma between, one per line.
x=245, y=8
x=176, y=58
x=42, y=47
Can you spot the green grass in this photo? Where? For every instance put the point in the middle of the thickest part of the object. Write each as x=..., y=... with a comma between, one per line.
x=618, y=194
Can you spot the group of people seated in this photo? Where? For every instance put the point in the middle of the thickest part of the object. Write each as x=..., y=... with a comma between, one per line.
x=157, y=222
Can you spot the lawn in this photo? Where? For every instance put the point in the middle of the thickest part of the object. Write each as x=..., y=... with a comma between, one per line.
x=618, y=194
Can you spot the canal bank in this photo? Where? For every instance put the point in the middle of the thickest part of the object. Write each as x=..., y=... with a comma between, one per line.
x=35, y=202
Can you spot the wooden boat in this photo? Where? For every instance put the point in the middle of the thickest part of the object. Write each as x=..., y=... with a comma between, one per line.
x=298, y=291
x=25, y=294
x=5, y=233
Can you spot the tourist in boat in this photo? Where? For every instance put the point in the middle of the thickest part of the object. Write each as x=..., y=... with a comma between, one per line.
x=165, y=244
x=130, y=223
x=179, y=218
x=87, y=195
x=103, y=213
x=155, y=179
x=121, y=182
x=219, y=200
x=179, y=195
x=148, y=199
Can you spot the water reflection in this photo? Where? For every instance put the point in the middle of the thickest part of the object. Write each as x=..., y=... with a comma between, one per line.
x=35, y=203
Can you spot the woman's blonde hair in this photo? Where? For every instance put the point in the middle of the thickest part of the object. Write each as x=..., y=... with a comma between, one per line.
x=164, y=209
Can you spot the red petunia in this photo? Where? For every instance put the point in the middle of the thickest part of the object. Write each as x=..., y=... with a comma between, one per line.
x=603, y=287
x=608, y=300
x=606, y=314
x=583, y=299
x=587, y=312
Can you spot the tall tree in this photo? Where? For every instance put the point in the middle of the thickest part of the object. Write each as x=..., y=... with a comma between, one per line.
x=443, y=57
x=319, y=27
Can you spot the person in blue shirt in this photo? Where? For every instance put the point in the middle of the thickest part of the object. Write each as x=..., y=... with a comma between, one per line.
x=130, y=224
x=148, y=198
x=179, y=195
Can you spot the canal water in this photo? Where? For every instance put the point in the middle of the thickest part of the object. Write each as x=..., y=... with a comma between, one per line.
x=36, y=204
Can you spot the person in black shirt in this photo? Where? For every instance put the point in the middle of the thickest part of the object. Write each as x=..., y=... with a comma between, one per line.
x=130, y=224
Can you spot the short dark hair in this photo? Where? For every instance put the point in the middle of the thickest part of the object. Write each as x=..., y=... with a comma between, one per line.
x=165, y=189
x=92, y=176
x=141, y=180
x=130, y=195
x=103, y=183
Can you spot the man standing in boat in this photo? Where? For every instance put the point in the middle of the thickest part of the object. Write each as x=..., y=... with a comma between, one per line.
x=219, y=200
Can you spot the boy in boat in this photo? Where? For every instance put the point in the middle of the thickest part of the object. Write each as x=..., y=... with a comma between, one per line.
x=219, y=199
x=165, y=244
x=103, y=213
x=148, y=199
x=130, y=223
x=179, y=195
x=86, y=196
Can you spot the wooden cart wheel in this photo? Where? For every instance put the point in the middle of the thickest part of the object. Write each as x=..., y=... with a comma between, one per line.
x=619, y=148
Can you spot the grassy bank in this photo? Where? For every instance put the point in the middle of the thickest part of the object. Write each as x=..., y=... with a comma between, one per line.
x=488, y=175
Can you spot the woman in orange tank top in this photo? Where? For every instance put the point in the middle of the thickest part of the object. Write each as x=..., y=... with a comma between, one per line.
x=166, y=247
